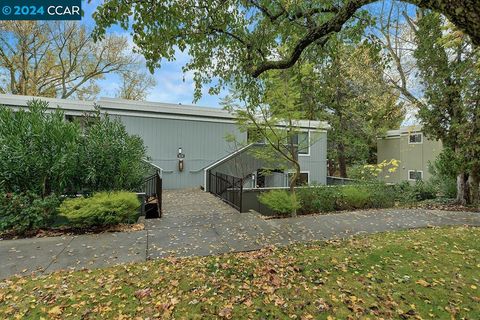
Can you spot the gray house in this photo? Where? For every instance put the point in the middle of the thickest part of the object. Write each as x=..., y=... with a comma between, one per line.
x=187, y=143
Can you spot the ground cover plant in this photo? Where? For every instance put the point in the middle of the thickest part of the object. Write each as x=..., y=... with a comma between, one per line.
x=101, y=209
x=414, y=274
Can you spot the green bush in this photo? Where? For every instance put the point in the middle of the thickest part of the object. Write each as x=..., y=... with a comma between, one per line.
x=43, y=153
x=110, y=158
x=418, y=191
x=280, y=201
x=318, y=199
x=381, y=195
x=354, y=197
x=102, y=209
x=20, y=213
x=38, y=150
x=332, y=198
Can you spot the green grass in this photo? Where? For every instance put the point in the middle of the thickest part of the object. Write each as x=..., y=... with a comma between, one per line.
x=417, y=274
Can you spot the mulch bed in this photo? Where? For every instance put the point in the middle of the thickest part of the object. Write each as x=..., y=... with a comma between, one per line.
x=63, y=231
x=446, y=207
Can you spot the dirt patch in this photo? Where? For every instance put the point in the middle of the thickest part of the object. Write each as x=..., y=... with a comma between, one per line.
x=62, y=231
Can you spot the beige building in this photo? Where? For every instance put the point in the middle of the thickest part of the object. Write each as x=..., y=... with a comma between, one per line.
x=409, y=146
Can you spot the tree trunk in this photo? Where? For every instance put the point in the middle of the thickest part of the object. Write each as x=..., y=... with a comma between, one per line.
x=293, y=184
x=331, y=167
x=462, y=194
x=474, y=181
x=342, y=161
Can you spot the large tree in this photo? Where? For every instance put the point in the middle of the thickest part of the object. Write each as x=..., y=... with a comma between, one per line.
x=275, y=120
x=58, y=59
x=353, y=96
x=232, y=40
x=135, y=85
x=436, y=69
x=449, y=70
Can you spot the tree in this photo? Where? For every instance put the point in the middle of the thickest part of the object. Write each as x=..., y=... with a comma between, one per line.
x=236, y=40
x=135, y=85
x=274, y=119
x=58, y=59
x=449, y=69
x=354, y=98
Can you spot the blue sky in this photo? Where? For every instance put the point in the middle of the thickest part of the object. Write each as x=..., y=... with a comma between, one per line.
x=173, y=85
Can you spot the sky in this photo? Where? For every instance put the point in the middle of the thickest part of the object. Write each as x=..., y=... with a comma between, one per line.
x=173, y=86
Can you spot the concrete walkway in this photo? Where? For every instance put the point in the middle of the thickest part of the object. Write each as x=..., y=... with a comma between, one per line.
x=198, y=224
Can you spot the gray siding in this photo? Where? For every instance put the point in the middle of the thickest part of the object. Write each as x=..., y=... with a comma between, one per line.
x=202, y=142
x=244, y=163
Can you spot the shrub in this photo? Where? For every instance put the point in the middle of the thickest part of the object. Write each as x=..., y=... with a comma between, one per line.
x=418, y=191
x=381, y=195
x=110, y=158
x=38, y=150
x=280, y=201
x=354, y=197
x=443, y=171
x=20, y=213
x=423, y=191
x=43, y=153
x=318, y=199
x=331, y=198
x=102, y=209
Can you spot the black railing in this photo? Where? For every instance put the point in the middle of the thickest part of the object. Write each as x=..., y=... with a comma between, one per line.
x=153, y=196
x=226, y=187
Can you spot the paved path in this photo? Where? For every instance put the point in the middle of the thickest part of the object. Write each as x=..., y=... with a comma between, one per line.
x=197, y=224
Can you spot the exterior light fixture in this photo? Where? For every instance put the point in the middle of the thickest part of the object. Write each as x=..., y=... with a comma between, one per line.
x=180, y=157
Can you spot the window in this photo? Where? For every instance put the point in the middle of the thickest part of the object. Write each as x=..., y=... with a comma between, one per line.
x=415, y=175
x=302, y=180
x=302, y=141
x=415, y=138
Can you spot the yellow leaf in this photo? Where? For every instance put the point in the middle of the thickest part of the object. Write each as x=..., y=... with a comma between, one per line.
x=474, y=287
x=423, y=283
x=55, y=311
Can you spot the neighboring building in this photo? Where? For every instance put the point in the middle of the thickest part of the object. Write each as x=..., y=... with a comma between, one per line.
x=412, y=149
x=188, y=142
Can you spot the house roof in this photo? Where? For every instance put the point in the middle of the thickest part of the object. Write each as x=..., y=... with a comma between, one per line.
x=115, y=106
x=403, y=131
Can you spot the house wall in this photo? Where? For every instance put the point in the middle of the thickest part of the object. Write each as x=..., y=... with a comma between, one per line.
x=202, y=143
x=314, y=163
x=411, y=156
x=200, y=132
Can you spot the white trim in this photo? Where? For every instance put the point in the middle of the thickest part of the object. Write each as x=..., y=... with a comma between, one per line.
x=301, y=171
x=309, y=146
x=415, y=133
x=408, y=175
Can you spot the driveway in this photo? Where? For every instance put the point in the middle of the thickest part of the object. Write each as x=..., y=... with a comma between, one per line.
x=196, y=223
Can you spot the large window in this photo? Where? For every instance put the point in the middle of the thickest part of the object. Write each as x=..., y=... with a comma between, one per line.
x=302, y=141
x=302, y=180
x=415, y=138
x=415, y=175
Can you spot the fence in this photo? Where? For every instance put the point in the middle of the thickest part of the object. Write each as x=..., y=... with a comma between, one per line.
x=228, y=188
x=339, y=181
x=153, y=196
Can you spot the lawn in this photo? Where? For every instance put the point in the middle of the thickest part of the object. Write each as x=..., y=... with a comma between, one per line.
x=428, y=273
